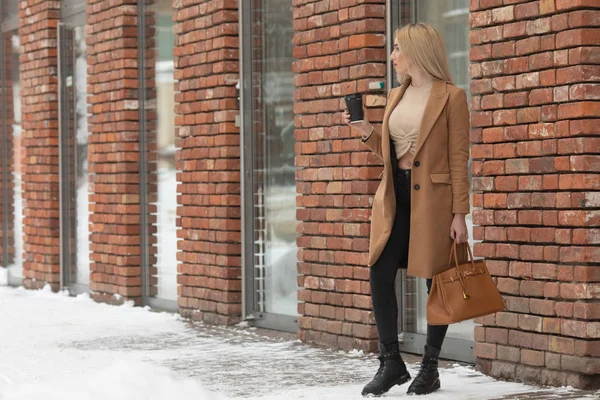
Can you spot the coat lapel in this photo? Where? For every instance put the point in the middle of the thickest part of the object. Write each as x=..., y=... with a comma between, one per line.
x=435, y=104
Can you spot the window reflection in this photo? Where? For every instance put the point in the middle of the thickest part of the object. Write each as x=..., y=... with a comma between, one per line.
x=12, y=131
x=274, y=172
x=160, y=137
x=81, y=155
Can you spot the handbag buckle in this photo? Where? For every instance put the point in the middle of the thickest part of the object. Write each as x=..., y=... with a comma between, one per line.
x=465, y=295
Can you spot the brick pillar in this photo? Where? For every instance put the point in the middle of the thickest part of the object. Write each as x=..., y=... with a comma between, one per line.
x=39, y=86
x=339, y=47
x=113, y=151
x=536, y=182
x=208, y=156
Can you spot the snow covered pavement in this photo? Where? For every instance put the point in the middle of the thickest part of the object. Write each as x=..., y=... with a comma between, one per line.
x=55, y=347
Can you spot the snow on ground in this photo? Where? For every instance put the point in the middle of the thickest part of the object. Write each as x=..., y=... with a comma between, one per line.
x=55, y=347
x=3, y=276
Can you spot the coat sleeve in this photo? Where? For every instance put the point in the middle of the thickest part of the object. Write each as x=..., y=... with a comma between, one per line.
x=374, y=141
x=458, y=151
x=374, y=144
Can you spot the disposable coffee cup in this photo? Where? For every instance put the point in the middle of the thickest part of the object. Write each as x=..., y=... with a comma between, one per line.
x=355, y=107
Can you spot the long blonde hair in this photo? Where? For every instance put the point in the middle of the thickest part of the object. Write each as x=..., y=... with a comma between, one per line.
x=424, y=46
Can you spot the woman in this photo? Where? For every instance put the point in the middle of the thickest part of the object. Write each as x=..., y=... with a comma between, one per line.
x=421, y=203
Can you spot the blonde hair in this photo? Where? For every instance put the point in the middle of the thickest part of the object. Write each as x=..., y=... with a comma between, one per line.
x=424, y=46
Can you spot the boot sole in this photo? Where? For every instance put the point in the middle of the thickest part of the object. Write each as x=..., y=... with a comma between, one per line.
x=400, y=381
x=436, y=385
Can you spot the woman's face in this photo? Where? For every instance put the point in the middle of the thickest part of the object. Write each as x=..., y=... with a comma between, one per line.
x=399, y=60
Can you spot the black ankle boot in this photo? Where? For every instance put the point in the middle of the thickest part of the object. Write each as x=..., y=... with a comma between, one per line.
x=428, y=379
x=392, y=371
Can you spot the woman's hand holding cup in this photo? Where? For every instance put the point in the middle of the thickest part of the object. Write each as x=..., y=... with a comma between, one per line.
x=355, y=115
x=363, y=126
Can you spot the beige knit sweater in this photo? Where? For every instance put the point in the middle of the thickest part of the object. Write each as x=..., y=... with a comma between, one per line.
x=405, y=119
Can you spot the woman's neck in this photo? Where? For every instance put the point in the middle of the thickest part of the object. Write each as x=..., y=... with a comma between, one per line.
x=419, y=79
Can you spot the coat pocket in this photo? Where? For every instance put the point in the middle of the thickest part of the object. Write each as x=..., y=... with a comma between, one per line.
x=440, y=178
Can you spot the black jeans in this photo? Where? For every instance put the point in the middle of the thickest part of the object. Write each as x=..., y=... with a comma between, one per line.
x=383, y=272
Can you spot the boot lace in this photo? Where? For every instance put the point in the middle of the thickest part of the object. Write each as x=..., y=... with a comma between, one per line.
x=427, y=365
x=381, y=368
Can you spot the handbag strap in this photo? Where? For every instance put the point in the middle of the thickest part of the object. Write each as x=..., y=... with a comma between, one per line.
x=460, y=277
x=454, y=252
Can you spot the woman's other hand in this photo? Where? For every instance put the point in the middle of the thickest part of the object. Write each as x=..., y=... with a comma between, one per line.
x=458, y=229
x=363, y=127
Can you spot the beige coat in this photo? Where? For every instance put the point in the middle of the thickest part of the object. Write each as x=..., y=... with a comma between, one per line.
x=439, y=179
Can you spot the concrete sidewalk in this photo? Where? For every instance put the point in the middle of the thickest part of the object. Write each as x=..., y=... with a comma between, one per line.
x=332, y=368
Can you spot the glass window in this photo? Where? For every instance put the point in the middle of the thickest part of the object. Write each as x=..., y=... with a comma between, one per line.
x=166, y=206
x=273, y=206
x=451, y=21
x=10, y=9
x=160, y=150
x=73, y=168
x=11, y=130
x=81, y=154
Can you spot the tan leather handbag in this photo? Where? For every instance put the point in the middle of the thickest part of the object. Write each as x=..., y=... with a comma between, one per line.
x=462, y=292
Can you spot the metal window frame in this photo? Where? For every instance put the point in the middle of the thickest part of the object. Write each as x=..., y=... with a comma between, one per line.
x=5, y=194
x=8, y=24
x=145, y=235
x=250, y=310
x=144, y=232
x=69, y=19
x=246, y=142
x=63, y=165
x=453, y=349
x=392, y=13
x=72, y=8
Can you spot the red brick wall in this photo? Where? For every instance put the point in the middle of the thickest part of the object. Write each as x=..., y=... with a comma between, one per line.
x=208, y=156
x=536, y=180
x=339, y=47
x=113, y=151
x=39, y=85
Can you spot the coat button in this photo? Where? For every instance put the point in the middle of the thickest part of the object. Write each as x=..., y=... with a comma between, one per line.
x=417, y=187
x=417, y=163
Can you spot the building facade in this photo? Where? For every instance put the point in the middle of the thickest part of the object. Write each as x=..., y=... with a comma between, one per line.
x=191, y=156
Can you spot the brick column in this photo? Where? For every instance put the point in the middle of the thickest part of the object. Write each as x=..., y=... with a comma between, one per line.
x=535, y=168
x=113, y=151
x=39, y=86
x=339, y=47
x=208, y=157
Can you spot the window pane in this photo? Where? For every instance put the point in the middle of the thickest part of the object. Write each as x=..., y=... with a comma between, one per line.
x=160, y=139
x=166, y=206
x=81, y=155
x=12, y=130
x=10, y=9
x=274, y=173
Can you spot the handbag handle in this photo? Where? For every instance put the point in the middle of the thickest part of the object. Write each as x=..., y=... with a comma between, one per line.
x=460, y=277
x=454, y=252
